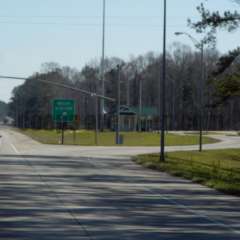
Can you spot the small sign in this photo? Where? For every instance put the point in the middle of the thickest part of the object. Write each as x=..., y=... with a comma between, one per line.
x=63, y=110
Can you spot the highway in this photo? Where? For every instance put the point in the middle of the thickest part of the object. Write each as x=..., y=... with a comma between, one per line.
x=68, y=192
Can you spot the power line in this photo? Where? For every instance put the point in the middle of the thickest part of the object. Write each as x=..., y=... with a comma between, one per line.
x=89, y=24
x=88, y=17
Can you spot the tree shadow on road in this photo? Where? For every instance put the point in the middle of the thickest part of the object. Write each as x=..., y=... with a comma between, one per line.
x=45, y=197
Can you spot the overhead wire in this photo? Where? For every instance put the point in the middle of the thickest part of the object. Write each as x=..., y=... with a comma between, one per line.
x=31, y=20
x=86, y=16
x=89, y=24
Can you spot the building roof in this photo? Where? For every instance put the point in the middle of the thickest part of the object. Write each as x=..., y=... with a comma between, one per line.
x=145, y=112
x=125, y=110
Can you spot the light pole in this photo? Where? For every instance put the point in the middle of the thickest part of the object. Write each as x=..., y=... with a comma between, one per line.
x=82, y=91
x=102, y=103
x=163, y=86
x=199, y=45
x=140, y=104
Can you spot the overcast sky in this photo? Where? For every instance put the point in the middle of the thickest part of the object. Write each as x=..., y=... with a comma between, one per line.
x=69, y=31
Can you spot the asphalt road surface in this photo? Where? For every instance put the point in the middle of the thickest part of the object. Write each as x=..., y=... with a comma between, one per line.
x=52, y=192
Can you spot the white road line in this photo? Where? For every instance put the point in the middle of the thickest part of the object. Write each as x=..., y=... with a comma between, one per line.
x=58, y=198
x=14, y=149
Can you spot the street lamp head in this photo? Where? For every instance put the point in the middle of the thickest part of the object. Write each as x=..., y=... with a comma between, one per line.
x=178, y=33
x=194, y=40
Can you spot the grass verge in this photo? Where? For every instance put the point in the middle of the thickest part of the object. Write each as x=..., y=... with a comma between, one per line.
x=219, y=169
x=87, y=138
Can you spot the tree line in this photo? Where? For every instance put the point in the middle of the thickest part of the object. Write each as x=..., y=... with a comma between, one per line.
x=31, y=102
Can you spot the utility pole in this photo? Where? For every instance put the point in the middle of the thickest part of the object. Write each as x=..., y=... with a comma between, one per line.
x=140, y=105
x=128, y=92
x=102, y=104
x=201, y=98
x=163, y=86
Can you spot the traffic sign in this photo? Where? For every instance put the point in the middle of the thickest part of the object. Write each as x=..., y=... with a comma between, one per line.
x=63, y=110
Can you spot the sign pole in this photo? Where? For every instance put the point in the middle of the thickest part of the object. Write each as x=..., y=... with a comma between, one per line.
x=62, y=131
x=96, y=121
x=102, y=101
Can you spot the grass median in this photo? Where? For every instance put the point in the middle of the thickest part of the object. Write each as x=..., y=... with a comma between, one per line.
x=87, y=138
x=219, y=169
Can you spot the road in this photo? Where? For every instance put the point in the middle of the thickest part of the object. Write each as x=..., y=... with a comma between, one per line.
x=27, y=146
x=50, y=193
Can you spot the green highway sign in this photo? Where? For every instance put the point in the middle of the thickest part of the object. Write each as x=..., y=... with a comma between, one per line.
x=63, y=110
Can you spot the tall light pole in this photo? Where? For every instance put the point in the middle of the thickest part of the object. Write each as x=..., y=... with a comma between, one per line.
x=201, y=98
x=163, y=86
x=140, y=104
x=200, y=46
x=102, y=103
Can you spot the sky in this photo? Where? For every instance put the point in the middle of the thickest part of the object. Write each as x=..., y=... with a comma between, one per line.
x=69, y=32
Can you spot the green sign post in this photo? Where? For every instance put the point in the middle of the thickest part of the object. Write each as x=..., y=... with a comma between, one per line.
x=63, y=111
